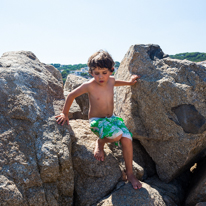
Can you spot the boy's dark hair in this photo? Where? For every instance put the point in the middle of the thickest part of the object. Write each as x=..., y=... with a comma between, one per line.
x=101, y=59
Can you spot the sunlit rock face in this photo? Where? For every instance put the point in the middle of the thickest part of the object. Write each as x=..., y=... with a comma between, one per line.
x=72, y=82
x=166, y=109
x=35, y=158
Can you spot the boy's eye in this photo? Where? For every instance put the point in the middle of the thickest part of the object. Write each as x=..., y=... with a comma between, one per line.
x=96, y=73
x=104, y=72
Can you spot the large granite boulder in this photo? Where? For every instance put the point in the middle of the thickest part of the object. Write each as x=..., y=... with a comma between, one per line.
x=126, y=195
x=166, y=109
x=93, y=179
x=72, y=82
x=35, y=158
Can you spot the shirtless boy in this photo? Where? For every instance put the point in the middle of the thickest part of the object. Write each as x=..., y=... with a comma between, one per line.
x=108, y=127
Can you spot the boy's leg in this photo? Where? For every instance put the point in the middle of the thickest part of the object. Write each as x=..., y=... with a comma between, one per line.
x=127, y=149
x=99, y=147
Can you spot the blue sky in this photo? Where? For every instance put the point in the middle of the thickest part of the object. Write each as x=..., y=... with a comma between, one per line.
x=69, y=31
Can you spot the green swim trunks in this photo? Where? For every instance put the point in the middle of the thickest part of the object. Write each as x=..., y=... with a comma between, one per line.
x=110, y=127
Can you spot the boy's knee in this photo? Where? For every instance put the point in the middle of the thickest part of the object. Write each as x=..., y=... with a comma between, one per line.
x=117, y=138
x=125, y=140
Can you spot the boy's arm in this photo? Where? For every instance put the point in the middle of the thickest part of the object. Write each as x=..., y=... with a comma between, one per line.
x=63, y=117
x=132, y=81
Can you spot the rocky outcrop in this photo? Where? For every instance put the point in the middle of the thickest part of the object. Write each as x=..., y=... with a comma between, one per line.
x=72, y=82
x=166, y=109
x=35, y=159
x=43, y=163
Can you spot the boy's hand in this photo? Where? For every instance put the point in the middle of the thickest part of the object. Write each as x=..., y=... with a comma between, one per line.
x=62, y=118
x=134, y=78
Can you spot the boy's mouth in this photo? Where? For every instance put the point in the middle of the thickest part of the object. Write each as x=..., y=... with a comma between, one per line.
x=101, y=81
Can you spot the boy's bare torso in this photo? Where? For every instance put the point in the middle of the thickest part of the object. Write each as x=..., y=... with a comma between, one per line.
x=101, y=98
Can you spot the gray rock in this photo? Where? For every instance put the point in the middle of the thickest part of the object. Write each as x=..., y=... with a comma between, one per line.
x=201, y=204
x=75, y=110
x=203, y=63
x=166, y=109
x=172, y=193
x=9, y=193
x=126, y=195
x=72, y=82
x=35, y=158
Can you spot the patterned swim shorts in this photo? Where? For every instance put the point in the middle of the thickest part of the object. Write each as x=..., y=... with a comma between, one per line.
x=110, y=127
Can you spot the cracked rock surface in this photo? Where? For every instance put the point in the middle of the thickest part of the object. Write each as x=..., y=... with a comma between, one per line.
x=35, y=158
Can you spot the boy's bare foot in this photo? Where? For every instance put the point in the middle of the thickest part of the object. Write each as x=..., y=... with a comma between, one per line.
x=99, y=150
x=135, y=182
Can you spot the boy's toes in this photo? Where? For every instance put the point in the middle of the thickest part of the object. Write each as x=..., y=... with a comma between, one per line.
x=135, y=182
x=99, y=158
x=135, y=186
x=139, y=185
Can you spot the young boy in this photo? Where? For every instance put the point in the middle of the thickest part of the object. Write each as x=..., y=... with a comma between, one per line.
x=108, y=127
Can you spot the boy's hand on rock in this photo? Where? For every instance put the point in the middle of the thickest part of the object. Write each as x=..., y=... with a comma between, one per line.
x=134, y=78
x=62, y=118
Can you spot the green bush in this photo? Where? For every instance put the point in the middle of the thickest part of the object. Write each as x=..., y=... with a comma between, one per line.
x=192, y=56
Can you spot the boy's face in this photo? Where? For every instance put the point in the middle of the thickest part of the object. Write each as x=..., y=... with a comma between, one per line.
x=101, y=75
